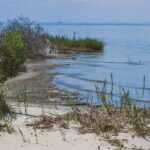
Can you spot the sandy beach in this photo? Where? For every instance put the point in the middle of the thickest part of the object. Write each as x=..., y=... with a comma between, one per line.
x=26, y=137
x=23, y=137
x=74, y=75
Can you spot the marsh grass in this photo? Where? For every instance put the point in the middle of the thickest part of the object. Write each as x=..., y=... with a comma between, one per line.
x=87, y=44
x=98, y=121
x=105, y=118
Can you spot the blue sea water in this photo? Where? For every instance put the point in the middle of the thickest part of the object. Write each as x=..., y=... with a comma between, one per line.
x=126, y=56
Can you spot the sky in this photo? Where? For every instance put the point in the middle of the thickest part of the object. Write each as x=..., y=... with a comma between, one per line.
x=100, y=11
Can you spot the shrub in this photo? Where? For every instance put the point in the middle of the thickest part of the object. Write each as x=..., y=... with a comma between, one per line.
x=12, y=53
x=33, y=34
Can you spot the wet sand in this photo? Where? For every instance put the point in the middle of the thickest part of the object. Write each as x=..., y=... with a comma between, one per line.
x=36, y=85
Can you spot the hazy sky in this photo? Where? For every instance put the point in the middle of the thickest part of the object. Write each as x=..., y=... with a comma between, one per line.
x=77, y=10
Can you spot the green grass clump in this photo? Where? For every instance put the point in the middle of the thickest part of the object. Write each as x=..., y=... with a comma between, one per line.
x=86, y=44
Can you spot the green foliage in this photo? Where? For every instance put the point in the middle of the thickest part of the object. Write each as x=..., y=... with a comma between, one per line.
x=33, y=34
x=12, y=50
x=13, y=44
x=87, y=44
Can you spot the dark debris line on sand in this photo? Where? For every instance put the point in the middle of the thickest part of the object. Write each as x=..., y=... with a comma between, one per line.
x=36, y=87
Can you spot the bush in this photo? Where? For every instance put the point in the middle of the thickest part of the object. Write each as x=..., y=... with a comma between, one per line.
x=12, y=53
x=33, y=34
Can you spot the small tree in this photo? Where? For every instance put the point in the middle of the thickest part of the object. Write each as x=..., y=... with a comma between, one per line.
x=12, y=53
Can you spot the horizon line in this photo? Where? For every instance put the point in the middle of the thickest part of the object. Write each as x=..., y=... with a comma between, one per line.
x=87, y=23
x=95, y=23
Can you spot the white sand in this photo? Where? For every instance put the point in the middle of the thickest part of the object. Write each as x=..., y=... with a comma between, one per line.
x=53, y=139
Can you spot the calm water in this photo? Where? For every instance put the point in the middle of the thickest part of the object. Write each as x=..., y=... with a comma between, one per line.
x=126, y=56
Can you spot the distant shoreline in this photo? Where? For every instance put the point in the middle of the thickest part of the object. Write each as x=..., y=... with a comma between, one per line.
x=89, y=23
x=64, y=23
